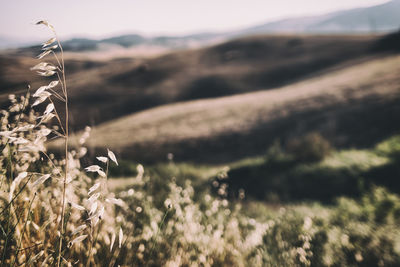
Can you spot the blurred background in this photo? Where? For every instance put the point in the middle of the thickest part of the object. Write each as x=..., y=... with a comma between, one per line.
x=287, y=108
x=299, y=99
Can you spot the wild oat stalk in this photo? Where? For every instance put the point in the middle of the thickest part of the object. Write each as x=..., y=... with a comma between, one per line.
x=44, y=231
x=46, y=69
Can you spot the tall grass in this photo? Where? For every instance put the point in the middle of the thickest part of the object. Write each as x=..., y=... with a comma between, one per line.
x=55, y=214
x=36, y=222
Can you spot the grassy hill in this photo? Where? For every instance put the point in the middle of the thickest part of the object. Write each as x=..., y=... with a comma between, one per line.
x=352, y=107
x=105, y=90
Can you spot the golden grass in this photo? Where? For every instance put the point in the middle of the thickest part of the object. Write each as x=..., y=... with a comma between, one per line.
x=120, y=86
x=212, y=117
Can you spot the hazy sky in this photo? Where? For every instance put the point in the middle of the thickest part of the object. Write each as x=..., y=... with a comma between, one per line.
x=99, y=18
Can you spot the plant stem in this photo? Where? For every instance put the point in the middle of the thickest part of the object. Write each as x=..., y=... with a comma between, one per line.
x=158, y=231
x=16, y=195
x=66, y=151
x=91, y=246
x=23, y=231
x=9, y=209
x=5, y=244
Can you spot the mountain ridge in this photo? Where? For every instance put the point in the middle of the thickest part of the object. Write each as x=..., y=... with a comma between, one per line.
x=381, y=18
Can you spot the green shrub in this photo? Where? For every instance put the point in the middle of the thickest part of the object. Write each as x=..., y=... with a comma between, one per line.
x=311, y=147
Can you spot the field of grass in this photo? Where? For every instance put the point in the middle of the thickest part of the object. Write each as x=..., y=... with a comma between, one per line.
x=280, y=177
x=352, y=107
x=121, y=86
x=319, y=224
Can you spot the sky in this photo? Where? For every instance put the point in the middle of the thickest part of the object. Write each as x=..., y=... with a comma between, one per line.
x=105, y=18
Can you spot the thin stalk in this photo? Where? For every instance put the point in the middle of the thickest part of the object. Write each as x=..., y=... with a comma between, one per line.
x=5, y=244
x=8, y=215
x=58, y=117
x=51, y=161
x=56, y=95
x=55, y=55
x=23, y=230
x=66, y=150
x=9, y=231
x=35, y=245
x=106, y=178
x=8, y=163
x=158, y=231
x=91, y=247
x=61, y=82
x=16, y=195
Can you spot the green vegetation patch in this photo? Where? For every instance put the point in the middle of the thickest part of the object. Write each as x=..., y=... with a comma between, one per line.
x=283, y=176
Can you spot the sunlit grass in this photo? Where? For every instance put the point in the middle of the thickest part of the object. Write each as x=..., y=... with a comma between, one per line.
x=355, y=159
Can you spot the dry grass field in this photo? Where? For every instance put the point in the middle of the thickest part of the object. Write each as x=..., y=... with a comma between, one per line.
x=359, y=100
x=106, y=89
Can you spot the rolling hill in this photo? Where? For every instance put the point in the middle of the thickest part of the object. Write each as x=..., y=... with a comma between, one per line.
x=100, y=90
x=231, y=100
x=354, y=106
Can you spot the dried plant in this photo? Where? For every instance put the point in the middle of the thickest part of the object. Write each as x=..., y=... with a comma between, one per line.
x=55, y=214
x=51, y=207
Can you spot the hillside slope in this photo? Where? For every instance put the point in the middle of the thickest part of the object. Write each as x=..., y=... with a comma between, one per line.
x=100, y=91
x=355, y=106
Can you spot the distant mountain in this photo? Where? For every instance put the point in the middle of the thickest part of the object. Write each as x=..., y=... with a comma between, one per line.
x=9, y=42
x=80, y=44
x=379, y=18
x=130, y=40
